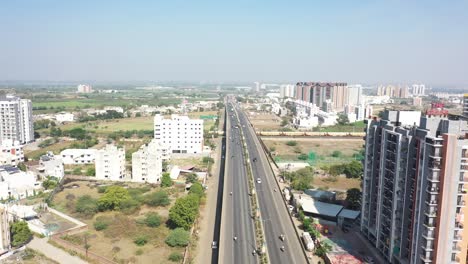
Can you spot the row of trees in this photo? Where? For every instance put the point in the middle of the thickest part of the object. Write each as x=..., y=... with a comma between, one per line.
x=109, y=114
x=354, y=169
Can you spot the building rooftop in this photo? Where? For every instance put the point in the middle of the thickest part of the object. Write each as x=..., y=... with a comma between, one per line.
x=350, y=214
x=319, y=208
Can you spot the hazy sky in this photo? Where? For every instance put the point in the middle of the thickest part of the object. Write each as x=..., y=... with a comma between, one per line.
x=366, y=42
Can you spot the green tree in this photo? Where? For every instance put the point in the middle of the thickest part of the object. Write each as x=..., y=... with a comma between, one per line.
x=302, y=156
x=77, y=171
x=323, y=249
x=197, y=189
x=353, y=197
x=49, y=183
x=336, y=154
x=178, y=238
x=91, y=171
x=86, y=205
x=22, y=166
x=207, y=160
x=342, y=119
x=353, y=169
x=166, y=180
x=20, y=233
x=184, y=212
x=159, y=198
x=191, y=178
x=113, y=198
x=78, y=133
x=153, y=219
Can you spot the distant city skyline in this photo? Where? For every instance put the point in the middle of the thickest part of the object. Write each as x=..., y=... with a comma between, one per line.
x=210, y=41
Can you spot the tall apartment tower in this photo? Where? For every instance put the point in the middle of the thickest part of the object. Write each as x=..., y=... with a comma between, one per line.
x=16, y=122
x=147, y=163
x=319, y=92
x=180, y=133
x=4, y=231
x=465, y=105
x=110, y=163
x=414, y=193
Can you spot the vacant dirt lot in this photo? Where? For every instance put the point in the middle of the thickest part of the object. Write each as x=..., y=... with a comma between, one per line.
x=320, y=146
x=265, y=121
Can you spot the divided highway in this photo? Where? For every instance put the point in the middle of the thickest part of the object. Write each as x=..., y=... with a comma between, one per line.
x=275, y=215
x=236, y=214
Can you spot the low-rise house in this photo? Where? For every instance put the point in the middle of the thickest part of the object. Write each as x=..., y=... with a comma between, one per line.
x=11, y=153
x=17, y=184
x=64, y=117
x=51, y=165
x=78, y=156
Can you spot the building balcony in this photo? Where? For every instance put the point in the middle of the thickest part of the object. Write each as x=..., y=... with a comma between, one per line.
x=426, y=259
x=428, y=247
x=434, y=177
x=457, y=237
x=461, y=203
x=428, y=235
x=432, y=202
x=456, y=248
x=433, y=190
x=429, y=225
x=431, y=213
x=458, y=225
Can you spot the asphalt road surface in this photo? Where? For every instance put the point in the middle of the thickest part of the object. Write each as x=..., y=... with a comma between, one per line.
x=275, y=215
x=237, y=221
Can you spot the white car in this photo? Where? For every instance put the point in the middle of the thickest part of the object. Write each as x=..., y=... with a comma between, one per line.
x=258, y=180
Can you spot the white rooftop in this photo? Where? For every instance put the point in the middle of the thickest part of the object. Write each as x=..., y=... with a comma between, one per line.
x=326, y=209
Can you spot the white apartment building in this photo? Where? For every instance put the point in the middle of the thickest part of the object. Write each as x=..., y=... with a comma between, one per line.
x=83, y=88
x=11, y=153
x=16, y=122
x=287, y=90
x=147, y=163
x=64, y=117
x=110, y=163
x=78, y=156
x=418, y=89
x=4, y=231
x=354, y=94
x=180, y=133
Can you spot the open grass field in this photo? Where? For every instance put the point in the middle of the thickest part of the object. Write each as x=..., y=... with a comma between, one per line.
x=116, y=242
x=322, y=147
x=55, y=148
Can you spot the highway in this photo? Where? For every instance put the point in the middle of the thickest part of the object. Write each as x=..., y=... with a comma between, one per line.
x=236, y=219
x=275, y=215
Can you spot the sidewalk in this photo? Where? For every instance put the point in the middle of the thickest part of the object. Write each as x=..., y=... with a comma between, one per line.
x=57, y=254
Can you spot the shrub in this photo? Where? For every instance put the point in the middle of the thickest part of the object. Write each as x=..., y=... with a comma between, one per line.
x=197, y=189
x=91, y=172
x=175, y=257
x=86, y=205
x=100, y=225
x=153, y=220
x=178, y=238
x=141, y=240
x=159, y=198
x=191, y=178
x=336, y=154
x=139, y=252
x=291, y=143
x=302, y=156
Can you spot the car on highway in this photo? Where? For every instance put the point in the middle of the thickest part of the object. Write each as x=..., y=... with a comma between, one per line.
x=259, y=180
x=214, y=245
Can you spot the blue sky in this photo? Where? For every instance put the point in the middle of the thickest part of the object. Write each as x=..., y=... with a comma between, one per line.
x=220, y=41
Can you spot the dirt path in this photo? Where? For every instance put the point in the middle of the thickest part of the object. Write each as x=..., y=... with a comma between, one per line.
x=57, y=254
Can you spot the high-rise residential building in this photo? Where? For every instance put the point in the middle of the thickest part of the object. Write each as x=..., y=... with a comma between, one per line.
x=16, y=122
x=465, y=105
x=287, y=90
x=418, y=89
x=318, y=93
x=180, y=133
x=414, y=194
x=354, y=95
x=393, y=91
x=84, y=88
x=110, y=163
x=4, y=230
x=147, y=163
